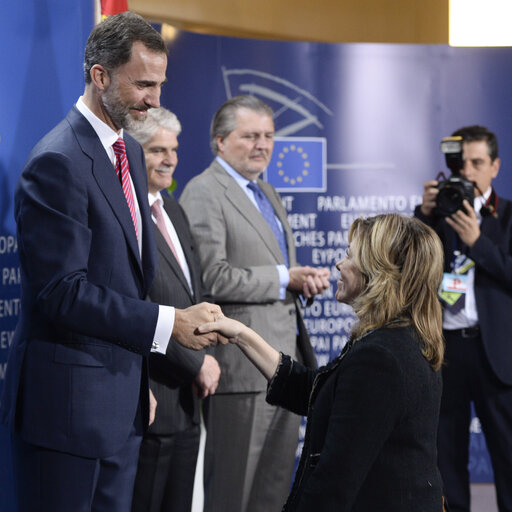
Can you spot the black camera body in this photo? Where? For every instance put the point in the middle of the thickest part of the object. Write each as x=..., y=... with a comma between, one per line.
x=455, y=189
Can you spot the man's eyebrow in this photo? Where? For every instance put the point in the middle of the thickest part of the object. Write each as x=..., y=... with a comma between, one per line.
x=149, y=83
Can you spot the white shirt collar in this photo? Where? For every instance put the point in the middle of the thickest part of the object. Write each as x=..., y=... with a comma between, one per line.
x=155, y=197
x=105, y=133
x=480, y=201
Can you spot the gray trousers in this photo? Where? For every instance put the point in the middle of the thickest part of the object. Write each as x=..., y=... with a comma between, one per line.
x=249, y=454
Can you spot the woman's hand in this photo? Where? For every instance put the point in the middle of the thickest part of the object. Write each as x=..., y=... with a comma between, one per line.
x=261, y=354
x=225, y=326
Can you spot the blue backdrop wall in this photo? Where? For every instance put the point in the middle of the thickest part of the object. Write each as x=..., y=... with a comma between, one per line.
x=41, y=59
x=358, y=130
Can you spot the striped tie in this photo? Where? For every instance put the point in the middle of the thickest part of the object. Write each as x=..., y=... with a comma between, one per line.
x=123, y=173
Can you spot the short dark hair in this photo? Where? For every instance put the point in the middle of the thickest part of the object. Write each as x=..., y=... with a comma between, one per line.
x=477, y=133
x=224, y=120
x=110, y=42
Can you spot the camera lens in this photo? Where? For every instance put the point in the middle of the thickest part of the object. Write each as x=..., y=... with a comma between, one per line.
x=452, y=193
x=449, y=199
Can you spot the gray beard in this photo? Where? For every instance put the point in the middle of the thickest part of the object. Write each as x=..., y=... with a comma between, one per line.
x=118, y=113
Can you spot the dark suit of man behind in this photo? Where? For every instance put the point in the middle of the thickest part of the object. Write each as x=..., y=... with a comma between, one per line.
x=250, y=445
x=168, y=454
x=76, y=389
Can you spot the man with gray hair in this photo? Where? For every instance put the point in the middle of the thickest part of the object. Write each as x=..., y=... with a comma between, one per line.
x=247, y=254
x=168, y=454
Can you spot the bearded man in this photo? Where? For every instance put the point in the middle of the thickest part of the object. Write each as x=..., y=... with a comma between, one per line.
x=76, y=394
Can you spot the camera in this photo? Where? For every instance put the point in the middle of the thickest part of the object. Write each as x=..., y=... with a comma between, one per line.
x=455, y=189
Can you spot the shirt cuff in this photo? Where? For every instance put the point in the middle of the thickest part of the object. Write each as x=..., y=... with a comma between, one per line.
x=163, y=331
x=284, y=279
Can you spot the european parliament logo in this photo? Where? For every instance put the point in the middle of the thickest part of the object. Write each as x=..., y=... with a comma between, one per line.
x=298, y=164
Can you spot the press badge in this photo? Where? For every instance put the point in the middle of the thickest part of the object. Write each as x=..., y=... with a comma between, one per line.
x=454, y=283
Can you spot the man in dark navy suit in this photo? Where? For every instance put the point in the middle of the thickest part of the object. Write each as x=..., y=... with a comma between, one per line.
x=168, y=454
x=76, y=390
x=477, y=321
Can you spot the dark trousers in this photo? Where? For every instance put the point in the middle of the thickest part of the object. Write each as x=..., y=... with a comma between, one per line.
x=165, y=475
x=468, y=377
x=52, y=481
x=249, y=454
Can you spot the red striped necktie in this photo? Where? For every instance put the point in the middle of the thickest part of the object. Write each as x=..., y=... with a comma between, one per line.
x=123, y=173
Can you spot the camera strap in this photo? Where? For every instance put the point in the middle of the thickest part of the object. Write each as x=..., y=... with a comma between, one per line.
x=491, y=205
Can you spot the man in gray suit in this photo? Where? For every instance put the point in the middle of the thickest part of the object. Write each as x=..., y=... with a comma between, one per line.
x=168, y=454
x=247, y=255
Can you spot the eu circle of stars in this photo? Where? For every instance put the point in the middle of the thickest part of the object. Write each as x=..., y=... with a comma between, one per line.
x=298, y=163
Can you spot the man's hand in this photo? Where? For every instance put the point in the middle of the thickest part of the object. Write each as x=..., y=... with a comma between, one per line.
x=308, y=280
x=317, y=283
x=207, y=379
x=430, y=192
x=152, y=407
x=465, y=224
x=187, y=321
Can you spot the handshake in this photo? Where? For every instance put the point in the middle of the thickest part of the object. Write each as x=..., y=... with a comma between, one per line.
x=306, y=280
x=186, y=324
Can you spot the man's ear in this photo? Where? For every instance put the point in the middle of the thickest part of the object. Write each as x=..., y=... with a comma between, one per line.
x=100, y=77
x=220, y=143
x=496, y=167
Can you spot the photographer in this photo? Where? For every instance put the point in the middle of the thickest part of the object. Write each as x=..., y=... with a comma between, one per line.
x=477, y=320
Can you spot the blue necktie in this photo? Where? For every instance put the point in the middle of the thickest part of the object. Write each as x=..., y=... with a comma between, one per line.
x=267, y=210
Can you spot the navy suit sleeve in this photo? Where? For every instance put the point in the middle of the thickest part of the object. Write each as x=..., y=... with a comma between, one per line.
x=81, y=280
x=494, y=257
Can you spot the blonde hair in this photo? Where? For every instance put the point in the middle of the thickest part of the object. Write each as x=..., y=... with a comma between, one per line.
x=401, y=260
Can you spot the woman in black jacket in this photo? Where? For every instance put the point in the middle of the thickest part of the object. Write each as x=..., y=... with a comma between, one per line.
x=370, y=442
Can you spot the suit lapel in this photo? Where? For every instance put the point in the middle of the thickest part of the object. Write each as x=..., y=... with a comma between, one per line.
x=165, y=250
x=238, y=198
x=491, y=226
x=106, y=178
